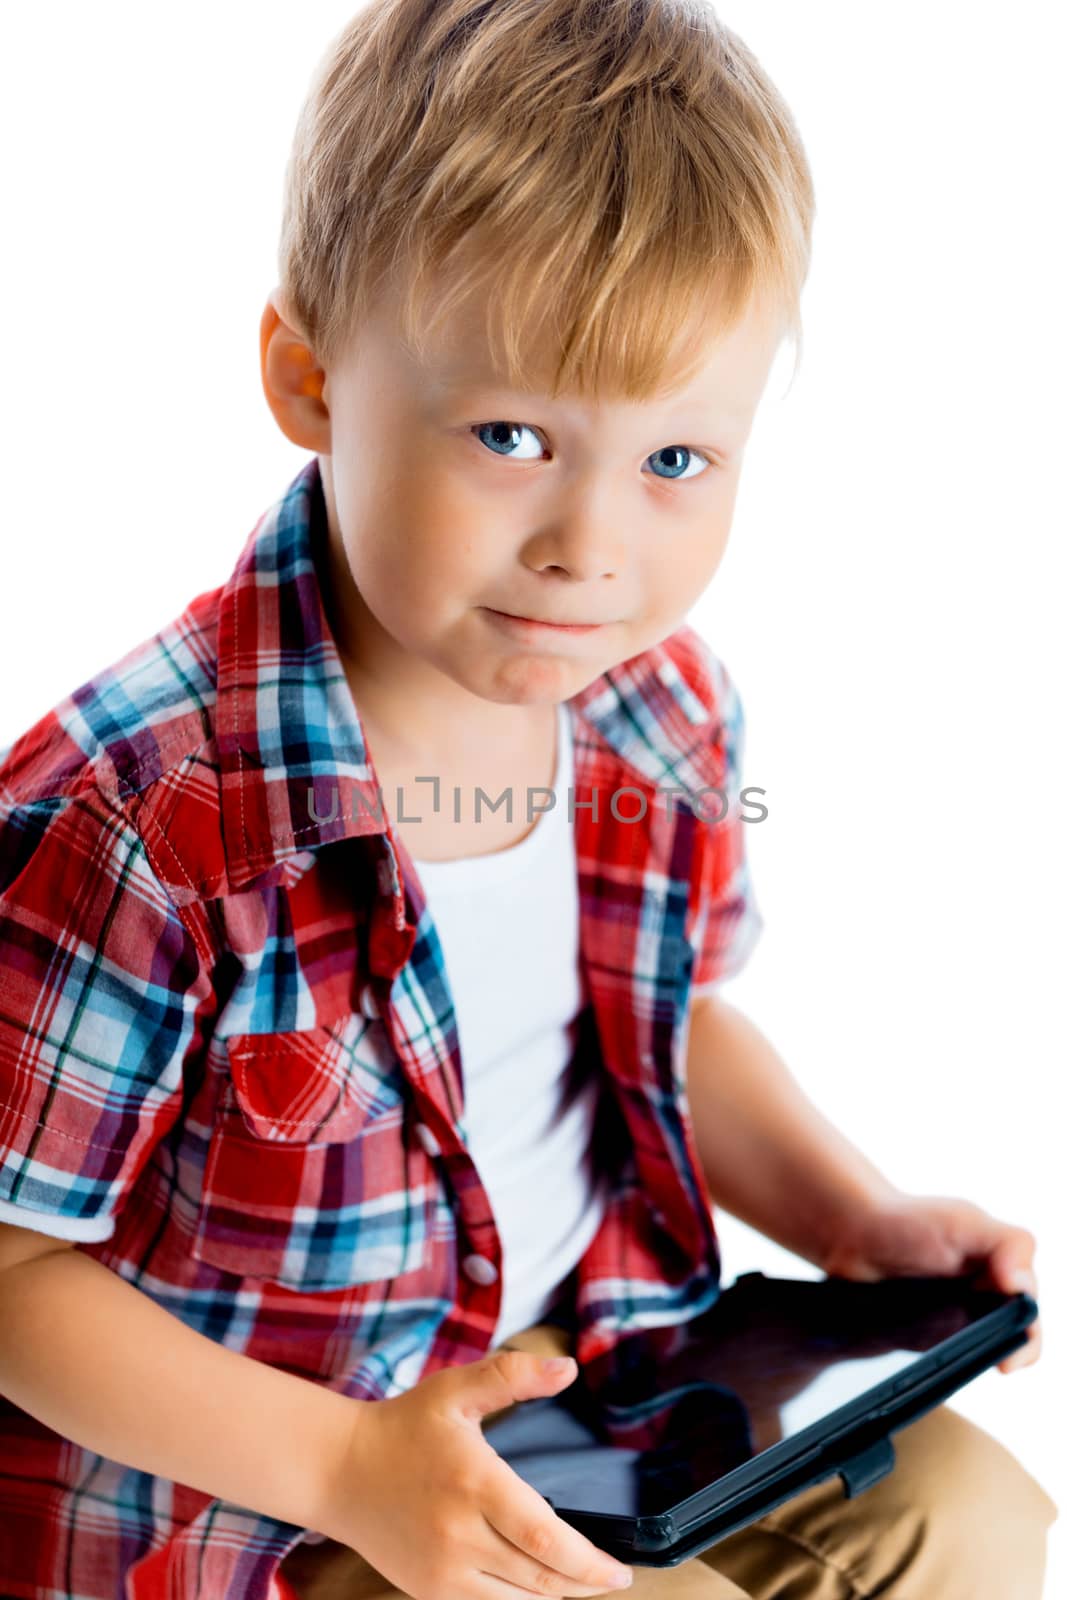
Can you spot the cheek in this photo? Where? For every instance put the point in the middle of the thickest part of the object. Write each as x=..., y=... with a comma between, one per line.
x=704, y=545
x=462, y=540
x=676, y=578
x=419, y=547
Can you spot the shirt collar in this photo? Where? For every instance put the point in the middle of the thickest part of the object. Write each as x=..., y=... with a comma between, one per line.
x=294, y=763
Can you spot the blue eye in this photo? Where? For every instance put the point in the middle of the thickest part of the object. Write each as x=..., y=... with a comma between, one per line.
x=502, y=434
x=683, y=457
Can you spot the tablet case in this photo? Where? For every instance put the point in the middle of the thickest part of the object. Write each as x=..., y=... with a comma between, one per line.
x=854, y=1441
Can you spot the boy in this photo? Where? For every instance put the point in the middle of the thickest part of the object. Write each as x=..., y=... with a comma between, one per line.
x=310, y=1144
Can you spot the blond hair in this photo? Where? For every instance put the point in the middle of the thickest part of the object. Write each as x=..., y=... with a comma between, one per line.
x=612, y=165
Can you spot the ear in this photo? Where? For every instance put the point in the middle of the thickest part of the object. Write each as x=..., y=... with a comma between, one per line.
x=292, y=378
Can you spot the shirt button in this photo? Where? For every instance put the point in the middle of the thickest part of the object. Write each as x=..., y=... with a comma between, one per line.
x=480, y=1269
x=427, y=1138
x=368, y=1004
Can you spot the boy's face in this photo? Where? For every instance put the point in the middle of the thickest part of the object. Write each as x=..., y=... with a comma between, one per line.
x=451, y=500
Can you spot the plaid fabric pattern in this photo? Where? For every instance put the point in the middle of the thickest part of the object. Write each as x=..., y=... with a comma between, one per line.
x=225, y=1030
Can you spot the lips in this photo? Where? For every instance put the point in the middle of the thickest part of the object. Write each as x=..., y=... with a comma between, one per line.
x=552, y=622
x=542, y=622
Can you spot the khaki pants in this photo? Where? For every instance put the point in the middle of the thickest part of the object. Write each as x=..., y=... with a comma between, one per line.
x=958, y=1518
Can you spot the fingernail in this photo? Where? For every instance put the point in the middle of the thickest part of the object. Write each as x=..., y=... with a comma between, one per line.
x=557, y=1363
x=1023, y=1281
x=622, y=1580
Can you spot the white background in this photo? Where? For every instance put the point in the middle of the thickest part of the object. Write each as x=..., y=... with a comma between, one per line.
x=890, y=603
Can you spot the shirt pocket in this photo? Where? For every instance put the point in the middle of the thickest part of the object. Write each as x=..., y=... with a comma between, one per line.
x=309, y=1181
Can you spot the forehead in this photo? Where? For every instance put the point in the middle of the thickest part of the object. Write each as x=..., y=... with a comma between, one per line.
x=718, y=368
x=714, y=369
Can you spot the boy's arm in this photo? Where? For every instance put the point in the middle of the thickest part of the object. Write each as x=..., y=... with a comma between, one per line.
x=769, y=1156
x=95, y=1359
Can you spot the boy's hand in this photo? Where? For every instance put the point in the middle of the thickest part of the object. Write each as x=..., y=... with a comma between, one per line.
x=424, y=1497
x=917, y=1235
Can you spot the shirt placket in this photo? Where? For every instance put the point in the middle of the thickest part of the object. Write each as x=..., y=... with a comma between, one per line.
x=435, y=1078
x=639, y=1050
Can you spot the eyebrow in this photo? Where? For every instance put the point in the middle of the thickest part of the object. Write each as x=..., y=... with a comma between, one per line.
x=484, y=386
x=470, y=387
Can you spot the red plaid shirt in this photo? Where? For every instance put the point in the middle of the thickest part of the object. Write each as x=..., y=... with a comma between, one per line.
x=228, y=1056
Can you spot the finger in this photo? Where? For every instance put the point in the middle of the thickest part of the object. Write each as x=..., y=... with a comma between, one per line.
x=1021, y=1280
x=1016, y=1280
x=1013, y=1259
x=488, y=1586
x=1027, y=1353
x=525, y=1575
x=523, y=1518
x=519, y=1567
x=541, y=1557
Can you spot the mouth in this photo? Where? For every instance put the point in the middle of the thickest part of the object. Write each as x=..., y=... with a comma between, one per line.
x=533, y=625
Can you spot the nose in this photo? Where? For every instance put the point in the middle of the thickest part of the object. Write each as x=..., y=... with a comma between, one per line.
x=586, y=541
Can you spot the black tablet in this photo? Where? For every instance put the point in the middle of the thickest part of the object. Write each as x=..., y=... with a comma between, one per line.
x=685, y=1433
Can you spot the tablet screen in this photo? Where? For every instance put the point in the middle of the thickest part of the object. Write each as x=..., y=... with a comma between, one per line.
x=671, y=1409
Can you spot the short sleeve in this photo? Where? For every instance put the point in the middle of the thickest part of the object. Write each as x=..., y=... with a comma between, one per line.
x=729, y=921
x=104, y=996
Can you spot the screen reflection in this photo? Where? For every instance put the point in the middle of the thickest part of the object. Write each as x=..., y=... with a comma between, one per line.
x=671, y=1409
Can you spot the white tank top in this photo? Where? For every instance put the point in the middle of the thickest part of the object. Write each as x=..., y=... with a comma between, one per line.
x=508, y=925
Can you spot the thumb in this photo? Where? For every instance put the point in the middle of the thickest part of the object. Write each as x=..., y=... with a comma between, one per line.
x=501, y=1379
